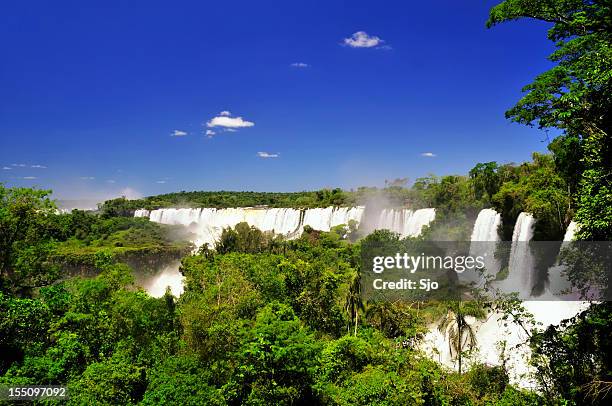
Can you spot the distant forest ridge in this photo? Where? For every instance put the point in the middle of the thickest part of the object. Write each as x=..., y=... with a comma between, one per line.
x=392, y=196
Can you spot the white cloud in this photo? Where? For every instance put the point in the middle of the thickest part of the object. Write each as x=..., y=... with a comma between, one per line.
x=110, y=181
x=428, y=154
x=86, y=178
x=29, y=177
x=229, y=122
x=225, y=113
x=161, y=181
x=230, y=130
x=210, y=133
x=266, y=155
x=361, y=39
x=19, y=165
x=300, y=65
x=178, y=133
x=39, y=166
x=7, y=168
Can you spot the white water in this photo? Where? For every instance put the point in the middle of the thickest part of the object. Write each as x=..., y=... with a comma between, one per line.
x=486, y=225
x=207, y=224
x=571, y=231
x=406, y=222
x=521, y=263
x=558, y=283
x=493, y=331
x=485, y=236
x=169, y=276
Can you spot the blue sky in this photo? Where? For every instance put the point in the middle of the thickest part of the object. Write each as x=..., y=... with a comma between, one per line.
x=92, y=93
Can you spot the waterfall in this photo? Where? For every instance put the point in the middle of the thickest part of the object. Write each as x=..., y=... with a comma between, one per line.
x=496, y=328
x=417, y=221
x=523, y=228
x=207, y=224
x=485, y=227
x=484, y=240
x=141, y=213
x=156, y=284
x=558, y=283
x=405, y=222
x=520, y=266
x=571, y=231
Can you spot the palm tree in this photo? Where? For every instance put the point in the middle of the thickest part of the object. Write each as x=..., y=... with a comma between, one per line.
x=461, y=335
x=353, y=303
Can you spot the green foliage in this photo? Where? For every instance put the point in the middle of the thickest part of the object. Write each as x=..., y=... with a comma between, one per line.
x=245, y=238
x=113, y=381
x=576, y=97
x=39, y=246
x=24, y=240
x=574, y=358
x=340, y=358
x=224, y=199
x=594, y=212
x=23, y=322
x=485, y=179
x=265, y=321
x=567, y=154
x=375, y=386
x=180, y=380
x=448, y=194
x=278, y=358
x=535, y=187
x=460, y=334
x=256, y=325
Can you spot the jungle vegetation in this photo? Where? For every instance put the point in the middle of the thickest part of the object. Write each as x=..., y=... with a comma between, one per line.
x=266, y=321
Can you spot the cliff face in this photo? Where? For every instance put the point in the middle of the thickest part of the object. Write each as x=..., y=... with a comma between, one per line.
x=143, y=260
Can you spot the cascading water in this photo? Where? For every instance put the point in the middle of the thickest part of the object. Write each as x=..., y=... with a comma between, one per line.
x=405, y=222
x=486, y=225
x=484, y=239
x=495, y=329
x=558, y=283
x=207, y=224
x=520, y=266
x=419, y=219
x=571, y=231
x=168, y=277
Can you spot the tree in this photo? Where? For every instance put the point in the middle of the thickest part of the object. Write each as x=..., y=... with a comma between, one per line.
x=574, y=96
x=244, y=238
x=278, y=360
x=24, y=243
x=574, y=358
x=353, y=303
x=536, y=187
x=567, y=153
x=460, y=334
x=485, y=179
x=180, y=380
x=114, y=381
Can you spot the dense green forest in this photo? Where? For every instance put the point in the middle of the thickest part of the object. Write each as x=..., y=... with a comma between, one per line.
x=261, y=321
x=268, y=321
